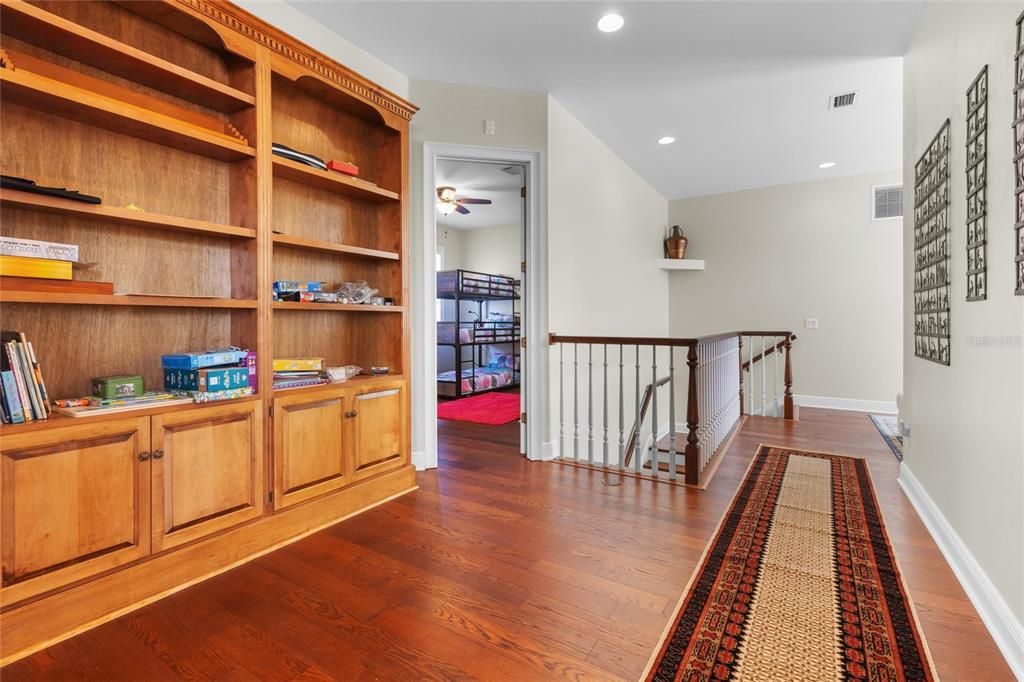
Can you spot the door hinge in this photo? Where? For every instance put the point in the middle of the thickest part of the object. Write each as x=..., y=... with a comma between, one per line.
x=270, y=497
x=522, y=191
x=522, y=342
x=271, y=410
x=522, y=266
x=522, y=417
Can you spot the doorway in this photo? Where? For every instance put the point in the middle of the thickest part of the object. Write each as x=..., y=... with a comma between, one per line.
x=481, y=283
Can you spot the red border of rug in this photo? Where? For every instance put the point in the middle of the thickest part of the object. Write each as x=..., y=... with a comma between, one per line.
x=492, y=409
x=732, y=562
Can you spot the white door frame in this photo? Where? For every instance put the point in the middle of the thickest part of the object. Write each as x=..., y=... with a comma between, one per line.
x=534, y=323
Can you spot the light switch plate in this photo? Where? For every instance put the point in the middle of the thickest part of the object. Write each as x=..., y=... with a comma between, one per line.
x=811, y=323
x=488, y=127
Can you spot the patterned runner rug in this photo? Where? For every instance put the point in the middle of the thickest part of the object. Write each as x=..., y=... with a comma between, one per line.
x=889, y=426
x=798, y=583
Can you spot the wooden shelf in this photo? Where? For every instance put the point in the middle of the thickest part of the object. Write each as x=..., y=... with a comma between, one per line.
x=330, y=247
x=286, y=169
x=126, y=300
x=53, y=97
x=680, y=264
x=57, y=420
x=338, y=307
x=120, y=216
x=59, y=35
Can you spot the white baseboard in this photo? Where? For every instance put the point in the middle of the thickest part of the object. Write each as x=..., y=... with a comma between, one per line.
x=851, y=404
x=549, y=451
x=422, y=462
x=1005, y=629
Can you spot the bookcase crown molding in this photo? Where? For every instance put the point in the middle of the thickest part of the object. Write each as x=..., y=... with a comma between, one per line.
x=255, y=29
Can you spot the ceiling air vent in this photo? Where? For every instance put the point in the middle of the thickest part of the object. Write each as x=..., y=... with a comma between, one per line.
x=887, y=202
x=841, y=101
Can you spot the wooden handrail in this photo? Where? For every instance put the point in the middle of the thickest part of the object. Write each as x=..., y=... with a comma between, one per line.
x=760, y=356
x=554, y=338
x=634, y=435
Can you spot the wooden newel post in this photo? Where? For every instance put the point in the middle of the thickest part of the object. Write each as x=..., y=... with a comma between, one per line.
x=742, y=408
x=692, y=421
x=789, y=408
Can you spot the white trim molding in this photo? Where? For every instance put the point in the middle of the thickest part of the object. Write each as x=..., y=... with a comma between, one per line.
x=1005, y=629
x=850, y=404
x=420, y=461
x=534, y=284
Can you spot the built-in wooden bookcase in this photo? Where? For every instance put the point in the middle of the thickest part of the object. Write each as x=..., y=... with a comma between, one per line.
x=167, y=110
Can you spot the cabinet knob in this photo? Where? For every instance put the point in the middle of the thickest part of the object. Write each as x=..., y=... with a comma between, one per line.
x=143, y=456
x=350, y=414
x=158, y=454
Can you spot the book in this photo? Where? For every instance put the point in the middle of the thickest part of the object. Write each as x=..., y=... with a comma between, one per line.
x=11, y=362
x=208, y=379
x=33, y=248
x=295, y=364
x=39, y=407
x=213, y=396
x=55, y=286
x=37, y=373
x=16, y=266
x=209, y=358
x=12, y=404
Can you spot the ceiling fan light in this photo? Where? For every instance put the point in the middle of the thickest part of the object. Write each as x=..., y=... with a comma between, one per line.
x=446, y=207
x=446, y=193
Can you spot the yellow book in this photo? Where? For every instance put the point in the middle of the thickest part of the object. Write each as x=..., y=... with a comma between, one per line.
x=45, y=268
x=297, y=364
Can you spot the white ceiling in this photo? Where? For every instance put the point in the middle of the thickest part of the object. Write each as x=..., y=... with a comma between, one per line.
x=742, y=86
x=482, y=181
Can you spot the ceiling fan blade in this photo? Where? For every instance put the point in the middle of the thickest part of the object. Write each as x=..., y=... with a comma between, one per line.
x=461, y=209
x=470, y=200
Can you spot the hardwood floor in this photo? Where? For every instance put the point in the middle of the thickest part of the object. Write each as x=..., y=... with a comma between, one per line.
x=496, y=569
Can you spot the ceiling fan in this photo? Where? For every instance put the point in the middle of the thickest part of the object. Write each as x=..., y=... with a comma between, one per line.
x=448, y=202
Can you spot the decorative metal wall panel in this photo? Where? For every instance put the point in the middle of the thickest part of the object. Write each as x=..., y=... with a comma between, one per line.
x=931, y=250
x=1018, y=156
x=977, y=171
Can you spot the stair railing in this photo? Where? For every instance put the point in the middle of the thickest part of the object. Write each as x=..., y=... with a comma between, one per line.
x=687, y=428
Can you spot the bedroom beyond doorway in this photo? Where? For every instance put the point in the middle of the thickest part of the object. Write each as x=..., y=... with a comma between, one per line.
x=479, y=259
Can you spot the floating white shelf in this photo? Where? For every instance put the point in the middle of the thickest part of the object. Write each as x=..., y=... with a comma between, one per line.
x=680, y=264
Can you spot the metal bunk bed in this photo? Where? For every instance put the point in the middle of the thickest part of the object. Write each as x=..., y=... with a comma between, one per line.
x=477, y=335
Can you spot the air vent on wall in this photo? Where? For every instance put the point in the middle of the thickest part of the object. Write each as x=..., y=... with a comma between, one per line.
x=887, y=202
x=841, y=101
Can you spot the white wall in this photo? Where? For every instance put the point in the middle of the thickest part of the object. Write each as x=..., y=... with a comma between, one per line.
x=293, y=21
x=778, y=255
x=605, y=226
x=966, y=446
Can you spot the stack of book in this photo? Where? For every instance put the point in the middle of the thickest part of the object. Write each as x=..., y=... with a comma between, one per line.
x=24, y=398
x=32, y=265
x=211, y=375
x=298, y=372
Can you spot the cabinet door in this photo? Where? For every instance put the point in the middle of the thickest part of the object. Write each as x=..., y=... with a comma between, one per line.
x=309, y=446
x=378, y=427
x=207, y=471
x=75, y=502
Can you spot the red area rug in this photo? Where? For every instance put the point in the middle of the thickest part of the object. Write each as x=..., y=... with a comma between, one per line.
x=487, y=408
x=799, y=583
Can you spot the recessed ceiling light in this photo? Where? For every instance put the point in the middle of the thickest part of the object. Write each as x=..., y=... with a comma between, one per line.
x=610, y=23
x=668, y=139
x=827, y=164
